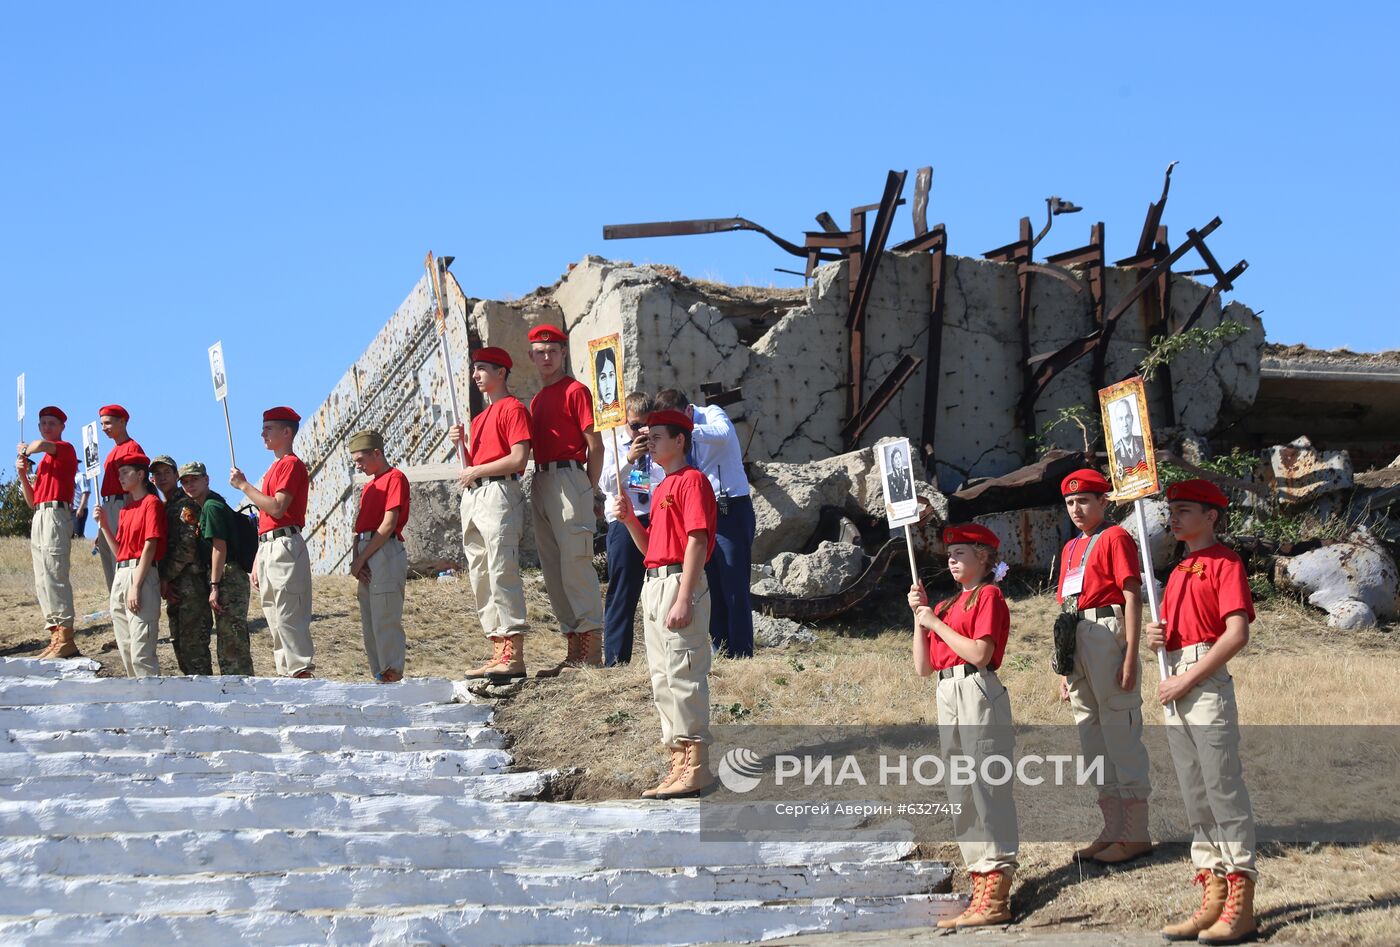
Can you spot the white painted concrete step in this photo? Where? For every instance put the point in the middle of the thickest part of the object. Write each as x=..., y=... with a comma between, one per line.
x=342, y=889
x=20, y=691
x=609, y=923
x=287, y=739
x=160, y=713
x=71, y=668
x=17, y=766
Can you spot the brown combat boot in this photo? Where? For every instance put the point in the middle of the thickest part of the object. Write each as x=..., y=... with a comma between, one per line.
x=480, y=670
x=1134, y=841
x=1213, y=892
x=695, y=777
x=673, y=772
x=1112, y=811
x=979, y=881
x=1236, y=922
x=67, y=647
x=994, y=907
x=511, y=665
x=590, y=649
x=52, y=648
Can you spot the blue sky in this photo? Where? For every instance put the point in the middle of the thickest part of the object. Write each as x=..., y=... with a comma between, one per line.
x=272, y=174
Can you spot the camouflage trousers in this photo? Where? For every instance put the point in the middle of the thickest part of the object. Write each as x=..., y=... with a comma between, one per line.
x=192, y=620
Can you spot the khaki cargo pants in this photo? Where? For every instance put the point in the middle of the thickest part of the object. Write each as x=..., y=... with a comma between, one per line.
x=1204, y=737
x=51, y=550
x=284, y=587
x=678, y=660
x=974, y=719
x=111, y=507
x=136, y=631
x=1108, y=718
x=493, y=518
x=381, y=606
x=562, y=505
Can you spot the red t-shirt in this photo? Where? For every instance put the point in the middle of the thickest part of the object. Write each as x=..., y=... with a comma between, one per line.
x=286, y=475
x=388, y=491
x=681, y=504
x=53, y=478
x=138, y=522
x=111, y=483
x=559, y=415
x=988, y=618
x=1112, y=562
x=496, y=430
x=1204, y=588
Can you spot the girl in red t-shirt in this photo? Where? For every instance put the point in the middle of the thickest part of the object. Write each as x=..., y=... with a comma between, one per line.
x=140, y=544
x=962, y=642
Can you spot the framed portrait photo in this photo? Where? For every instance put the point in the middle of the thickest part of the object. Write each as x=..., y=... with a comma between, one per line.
x=1132, y=461
x=897, y=481
x=605, y=375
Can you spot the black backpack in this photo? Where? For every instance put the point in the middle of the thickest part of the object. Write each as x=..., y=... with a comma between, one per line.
x=245, y=532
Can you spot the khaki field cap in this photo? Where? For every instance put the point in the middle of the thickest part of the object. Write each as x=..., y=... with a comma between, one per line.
x=193, y=469
x=165, y=459
x=366, y=440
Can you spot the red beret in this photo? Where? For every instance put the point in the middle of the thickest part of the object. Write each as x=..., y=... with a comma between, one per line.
x=1198, y=491
x=970, y=533
x=53, y=411
x=281, y=414
x=1087, y=480
x=493, y=356
x=547, y=333
x=136, y=460
x=671, y=418
x=113, y=411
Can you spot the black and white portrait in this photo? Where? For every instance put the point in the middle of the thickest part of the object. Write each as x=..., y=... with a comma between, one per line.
x=898, y=476
x=605, y=368
x=1128, y=447
x=216, y=370
x=897, y=482
x=91, y=459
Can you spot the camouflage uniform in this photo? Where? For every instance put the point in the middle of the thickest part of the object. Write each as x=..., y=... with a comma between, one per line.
x=187, y=575
x=235, y=653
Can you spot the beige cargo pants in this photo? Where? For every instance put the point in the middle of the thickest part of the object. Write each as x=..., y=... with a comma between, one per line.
x=136, y=631
x=561, y=503
x=678, y=660
x=284, y=588
x=493, y=519
x=381, y=606
x=974, y=719
x=51, y=551
x=1108, y=718
x=111, y=506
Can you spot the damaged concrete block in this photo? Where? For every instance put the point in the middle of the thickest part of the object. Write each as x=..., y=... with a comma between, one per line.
x=769, y=632
x=1160, y=540
x=1347, y=580
x=434, y=531
x=787, y=503
x=833, y=567
x=1030, y=539
x=1298, y=473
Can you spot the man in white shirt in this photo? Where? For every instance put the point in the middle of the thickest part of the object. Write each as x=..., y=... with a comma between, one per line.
x=625, y=569
x=80, y=504
x=720, y=457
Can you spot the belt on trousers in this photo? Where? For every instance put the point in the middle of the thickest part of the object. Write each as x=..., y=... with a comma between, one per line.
x=483, y=481
x=559, y=465
x=662, y=571
x=961, y=670
x=278, y=533
x=370, y=534
x=126, y=563
x=1094, y=614
x=49, y=504
x=1192, y=652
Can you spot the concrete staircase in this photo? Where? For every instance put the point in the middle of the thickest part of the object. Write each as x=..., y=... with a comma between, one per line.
x=256, y=810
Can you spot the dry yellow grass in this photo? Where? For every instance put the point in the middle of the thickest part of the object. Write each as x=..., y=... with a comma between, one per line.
x=1297, y=671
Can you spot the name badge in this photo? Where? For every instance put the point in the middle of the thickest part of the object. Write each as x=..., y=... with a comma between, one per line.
x=1074, y=582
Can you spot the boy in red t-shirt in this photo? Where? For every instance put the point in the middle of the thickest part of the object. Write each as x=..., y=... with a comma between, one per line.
x=1206, y=613
x=282, y=570
x=113, y=418
x=565, y=503
x=963, y=642
x=676, y=603
x=493, y=514
x=1101, y=584
x=50, y=496
x=140, y=544
x=380, y=561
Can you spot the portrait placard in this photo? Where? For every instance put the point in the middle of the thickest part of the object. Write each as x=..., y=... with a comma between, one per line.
x=897, y=481
x=605, y=367
x=1132, y=461
x=92, y=458
x=217, y=372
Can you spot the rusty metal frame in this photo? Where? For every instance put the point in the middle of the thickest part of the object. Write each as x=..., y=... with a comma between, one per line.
x=861, y=275
x=680, y=228
x=880, y=398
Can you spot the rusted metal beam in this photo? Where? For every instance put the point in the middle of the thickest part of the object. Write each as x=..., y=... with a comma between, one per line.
x=681, y=228
x=716, y=395
x=1091, y=257
x=862, y=274
x=933, y=371
x=883, y=394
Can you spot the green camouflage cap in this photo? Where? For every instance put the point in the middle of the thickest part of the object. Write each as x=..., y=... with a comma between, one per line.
x=366, y=440
x=165, y=459
x=193, y=469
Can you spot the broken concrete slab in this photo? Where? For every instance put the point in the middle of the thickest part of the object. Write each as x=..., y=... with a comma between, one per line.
x=1339, y=577
x=771, y=632
x=1298, y=473
x=787, y=503
x=1030, y=539
x=1160, y=540
x=833, y=567
x=1036, y=484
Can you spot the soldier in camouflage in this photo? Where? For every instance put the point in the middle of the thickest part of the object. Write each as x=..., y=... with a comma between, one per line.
x=228, y=592
x=184, y=578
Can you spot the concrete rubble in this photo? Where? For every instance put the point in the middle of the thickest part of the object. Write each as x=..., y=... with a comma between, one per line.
x=1298, y=473
x=1355, y=581
x=827, y=571
x=771, y=632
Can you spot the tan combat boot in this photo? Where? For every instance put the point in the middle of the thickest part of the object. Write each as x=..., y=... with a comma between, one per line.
x=673, y=772
x=1112, y=811
x=511, y=666
x=979, y=881
x=695, y=776
x=67, y=647
x=52, y=648
x=1213, y=892
x=1236, y=922
x=480, y=670
x=994, y=907
x=1134, y=841
x=590, y=649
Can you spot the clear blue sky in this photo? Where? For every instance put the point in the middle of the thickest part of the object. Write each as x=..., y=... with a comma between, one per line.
x=272, y=174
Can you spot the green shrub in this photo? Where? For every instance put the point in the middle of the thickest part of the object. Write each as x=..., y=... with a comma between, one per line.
x=15, y=514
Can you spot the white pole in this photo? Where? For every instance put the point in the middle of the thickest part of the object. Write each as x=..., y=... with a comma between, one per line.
x=229, y=428
x=1150, y=581
x=909, y=545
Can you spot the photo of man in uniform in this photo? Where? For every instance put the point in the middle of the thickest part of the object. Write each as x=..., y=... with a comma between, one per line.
x=901, y=485
x=1128, y=447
